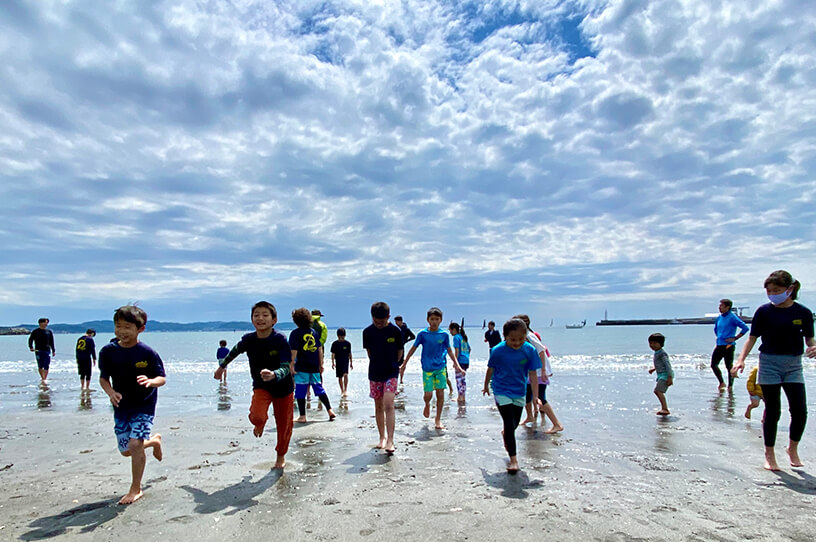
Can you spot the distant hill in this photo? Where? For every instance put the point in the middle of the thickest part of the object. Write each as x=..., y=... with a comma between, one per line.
x=106, y=326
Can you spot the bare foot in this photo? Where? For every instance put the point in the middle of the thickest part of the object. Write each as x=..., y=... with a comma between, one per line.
x=513, y=467
x=427, y=410
x=157, y=447
x=770, y=461
x=389, y=448
x=439, y=425
x=528, y=420
x=300, y=419
x=662, y=413
x=794, y=458
x=381, y=444
x=280, y=462
x=131, y=497
x=332, y=415
x=554, y=429
x=748, y=411
x=258, y=431
x=721, y=387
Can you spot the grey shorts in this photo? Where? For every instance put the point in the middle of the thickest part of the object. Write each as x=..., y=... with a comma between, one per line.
x=662, y=386
x=779, y=369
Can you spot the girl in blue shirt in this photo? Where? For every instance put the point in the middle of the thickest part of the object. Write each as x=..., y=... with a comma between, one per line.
x=513, y=363
x=462, y=349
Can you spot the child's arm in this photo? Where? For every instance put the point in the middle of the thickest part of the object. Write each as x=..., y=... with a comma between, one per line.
x=488, y=376
x=351, y=361
x=454, y=357
x=222, y=365
x=114, y=395
x=739, y=366
x=410, y=353
x=811, y=349
x=651, y=370
x=533, y=377
x=333, y=366
x=155, y=382
x=292, y=362
x=320, y=353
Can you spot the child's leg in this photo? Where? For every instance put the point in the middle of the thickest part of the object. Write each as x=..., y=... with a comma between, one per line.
x=440, y=403
x=716, y=356
x=751, y=406
x=136, y=452
x=283, y=408
x=773, y=407
x=259, y=410
x=797, y=405
x=510, y=414
x=300, y=395
x=340, y=385
x=427, y=398
x=388, y=409
x=528, y=406
x=321, y=394
x=461, y=385
x=548, y=411
x=345, y=384
x=379, y=416
x=664, y=409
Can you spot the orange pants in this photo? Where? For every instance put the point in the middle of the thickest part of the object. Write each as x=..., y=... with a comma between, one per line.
x=283, y=407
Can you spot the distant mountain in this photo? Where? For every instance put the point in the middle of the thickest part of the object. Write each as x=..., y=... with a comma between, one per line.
x=106, y=326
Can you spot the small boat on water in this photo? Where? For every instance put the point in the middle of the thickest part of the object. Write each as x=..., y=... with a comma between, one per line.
x=576, y=326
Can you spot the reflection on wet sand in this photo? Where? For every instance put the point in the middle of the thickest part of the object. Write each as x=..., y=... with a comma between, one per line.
x=724, y=401
x=85, y=402
x=224, y=399
x=44, y=397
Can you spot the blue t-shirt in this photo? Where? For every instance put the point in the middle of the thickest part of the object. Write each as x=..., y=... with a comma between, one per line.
x=120, y=366
x=725, y=327
x=306, y=341
x=435, y=346
x=782, y=330
x=464, y=350
x=271, y=353
x=85, y=348
x=222, y=352
x=383, y=347
x=511, y=368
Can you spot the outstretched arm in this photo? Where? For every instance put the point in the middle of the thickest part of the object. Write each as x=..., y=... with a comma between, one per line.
x=739, y=366
x=488, y=377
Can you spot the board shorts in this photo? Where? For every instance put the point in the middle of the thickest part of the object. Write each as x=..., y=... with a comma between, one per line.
x=131, y=426
x=502, y=400
x=779, y=369
x=434, y=380
x=84, y=368
x=308, y=378
x=341, y=368
x=662, y=385
x=43, y=359
x=378, y=389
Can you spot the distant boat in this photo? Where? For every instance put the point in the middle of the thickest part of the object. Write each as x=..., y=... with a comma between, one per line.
x=577, y=326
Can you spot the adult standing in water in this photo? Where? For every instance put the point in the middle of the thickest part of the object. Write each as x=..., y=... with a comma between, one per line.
x=725, y=328
x=41, y=342
x=781, y=324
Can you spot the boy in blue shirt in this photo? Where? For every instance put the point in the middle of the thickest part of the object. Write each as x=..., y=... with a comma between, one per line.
x=85, y=358
x=129, y=372
x=512, y=364
x=662, y=366
x=435, y=344
x=220, y=354
x=725, y=328
x=382, y=341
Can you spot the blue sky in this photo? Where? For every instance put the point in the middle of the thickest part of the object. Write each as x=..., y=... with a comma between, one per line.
x=490, y=157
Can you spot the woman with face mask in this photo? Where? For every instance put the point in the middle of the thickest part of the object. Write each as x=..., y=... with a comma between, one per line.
x=782, y=325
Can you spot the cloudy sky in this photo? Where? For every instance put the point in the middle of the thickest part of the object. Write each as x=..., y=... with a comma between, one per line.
x=556, y=157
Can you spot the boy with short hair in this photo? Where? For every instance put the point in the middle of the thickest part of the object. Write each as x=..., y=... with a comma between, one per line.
x=435, y=344
x=663, y=368
x=341, y=360
x=220, y=355
x=382, y=341
x=85, y=357
x=135, y=370
x=270, y=368
x=41, y=342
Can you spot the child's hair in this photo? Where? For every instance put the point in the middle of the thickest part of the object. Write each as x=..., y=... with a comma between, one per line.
x=434, y=311
x=524, y=318
x=513, y=325
x=783, y=279
x=302, y=317
x=132, y=314
x=41, y=320
x=657, y=338
x=727, y=302
x=265, y=305
x=90, y=331
x=380, y=309
x=341, y=332
x=491, y=323
x=222, y=342
x=398, y=318
x=460, y=330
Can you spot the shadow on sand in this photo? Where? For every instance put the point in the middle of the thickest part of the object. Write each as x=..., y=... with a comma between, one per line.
x=361, y=463
x=513, y=486
x=805, y=484
x=87, y=516
x=238, y=496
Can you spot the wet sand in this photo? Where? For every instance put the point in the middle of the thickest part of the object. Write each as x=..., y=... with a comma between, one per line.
x=618, y=472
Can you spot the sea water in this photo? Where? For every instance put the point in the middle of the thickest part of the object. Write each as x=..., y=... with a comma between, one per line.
x=582, y=359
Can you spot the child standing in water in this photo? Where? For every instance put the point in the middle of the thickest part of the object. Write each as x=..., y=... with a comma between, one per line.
x=435, y=344
x=85, y=358
x=513, y=363
x=269, y=364
x=220, y=354
x=129, y=372
x=307, y=362
x=462, y=349
x=662, y=366
x=341, y=361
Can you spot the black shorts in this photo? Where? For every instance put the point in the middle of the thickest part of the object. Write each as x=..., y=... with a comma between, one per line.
x=84, y=369
x=341, y=368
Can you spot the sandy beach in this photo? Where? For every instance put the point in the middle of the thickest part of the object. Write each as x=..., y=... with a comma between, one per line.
x=617, y=473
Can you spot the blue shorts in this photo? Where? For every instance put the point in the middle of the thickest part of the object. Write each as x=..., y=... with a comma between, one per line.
x=779, y=369
x=308, y=378
x=131, y=426
x=43, y=359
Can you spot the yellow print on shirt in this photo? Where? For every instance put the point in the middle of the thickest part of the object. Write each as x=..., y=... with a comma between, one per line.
x=141, y=364
x=81, y=345
x=797, y=322
x=309, y=343
x=391, y=340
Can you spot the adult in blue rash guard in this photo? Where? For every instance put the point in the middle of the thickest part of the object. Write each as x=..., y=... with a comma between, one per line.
x=725, y=328
x=41, y=342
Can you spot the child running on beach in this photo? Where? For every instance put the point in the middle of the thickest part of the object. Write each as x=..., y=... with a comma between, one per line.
x=435, y=344
x=341, y=360
x=307, y=362
x=220, y=354
x=383, y=342
x=462, y=349
x=665, y=375
x=543, y=377
x=85, y=358
x=269, y=365
x=512, y=364
x=129, y=372
x=754, y=391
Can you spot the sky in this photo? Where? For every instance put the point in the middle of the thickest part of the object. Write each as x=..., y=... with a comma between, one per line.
x=559, y=158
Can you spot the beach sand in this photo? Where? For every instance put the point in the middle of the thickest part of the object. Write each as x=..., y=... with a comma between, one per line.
x=618, y=472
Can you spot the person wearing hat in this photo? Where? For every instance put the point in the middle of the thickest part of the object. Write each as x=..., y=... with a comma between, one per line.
x=319, y=326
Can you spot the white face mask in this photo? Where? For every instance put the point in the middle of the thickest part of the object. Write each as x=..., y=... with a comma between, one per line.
x=778, y=299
